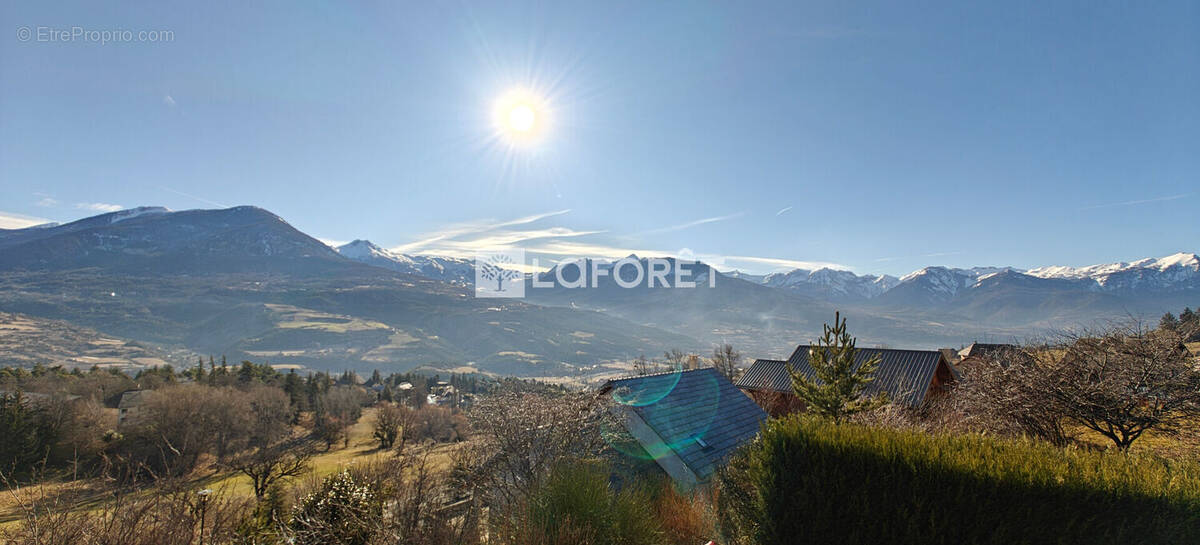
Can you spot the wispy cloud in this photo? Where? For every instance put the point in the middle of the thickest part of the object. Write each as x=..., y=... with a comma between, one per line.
x=554, y=243
x=755, y=264
x=98, y=206
x=9, y=220
x=468, y=237
x=193, y=197
x=47, y=202
x=783, y=211
x=691, y=224
x=1139, y=201
x=169, y=100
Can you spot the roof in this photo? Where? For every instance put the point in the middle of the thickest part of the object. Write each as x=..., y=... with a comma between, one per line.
x=697, y=415
x=132, y=398
x=985, y=350
x=904, y=374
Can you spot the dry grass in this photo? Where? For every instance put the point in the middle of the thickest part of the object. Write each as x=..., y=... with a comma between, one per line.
x=94, y=494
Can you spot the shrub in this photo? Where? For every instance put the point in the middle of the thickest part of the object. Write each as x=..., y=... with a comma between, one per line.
x=342, y=511
x=808, y=479
x=576, y=506
x=685, y=518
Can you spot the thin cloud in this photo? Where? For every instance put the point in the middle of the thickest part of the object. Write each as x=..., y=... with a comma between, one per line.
x=1140, y=201
x=783, y=211
x=500, y=239
x=691, y=224
x=753, y=264
x=169, y=100
x=450, y=235
x=47, y=202
x=9, y=220
x=193, y=197
x=98, y=206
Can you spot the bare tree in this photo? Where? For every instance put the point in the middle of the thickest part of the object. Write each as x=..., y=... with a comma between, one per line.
x=726, y=361
x=1010, y=392
x=391, y=423
x=271, y=464
x=641, y=365
x=520, y=437
x=675, y=358
x=1126, y=381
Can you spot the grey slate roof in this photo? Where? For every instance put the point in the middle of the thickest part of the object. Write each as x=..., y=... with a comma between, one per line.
x=133, y=398
x=698, y=414
x=904, y=374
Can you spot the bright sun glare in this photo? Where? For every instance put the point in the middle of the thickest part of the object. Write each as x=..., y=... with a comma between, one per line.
x=520, y=116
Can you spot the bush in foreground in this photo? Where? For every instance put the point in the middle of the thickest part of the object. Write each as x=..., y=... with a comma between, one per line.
x=811, y=480
x=576, y=506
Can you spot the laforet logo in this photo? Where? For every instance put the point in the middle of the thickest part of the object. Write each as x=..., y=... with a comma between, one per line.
x=498, y=273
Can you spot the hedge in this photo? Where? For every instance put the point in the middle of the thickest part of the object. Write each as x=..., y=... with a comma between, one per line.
x=807, y=480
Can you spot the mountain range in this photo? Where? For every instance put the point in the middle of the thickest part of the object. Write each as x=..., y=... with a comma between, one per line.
x=243, y=282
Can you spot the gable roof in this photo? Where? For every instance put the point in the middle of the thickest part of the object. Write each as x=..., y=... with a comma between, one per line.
x=985, y=350
x=132, y=398
x=905, y=375
x=696, y=416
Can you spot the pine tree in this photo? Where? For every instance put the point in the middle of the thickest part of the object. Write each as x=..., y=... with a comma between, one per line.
x=1187, y=318
x=199, y=370
x=1168, y=322
x=837, y=387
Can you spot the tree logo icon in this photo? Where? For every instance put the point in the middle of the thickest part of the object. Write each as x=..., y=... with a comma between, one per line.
x=498, y=274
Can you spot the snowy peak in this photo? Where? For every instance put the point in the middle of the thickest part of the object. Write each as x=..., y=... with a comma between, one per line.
x=1176, y=271
x=447, y=269
x=364, y=249
x=835, y=283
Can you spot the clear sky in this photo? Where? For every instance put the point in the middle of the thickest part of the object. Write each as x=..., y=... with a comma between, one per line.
x=881, y=138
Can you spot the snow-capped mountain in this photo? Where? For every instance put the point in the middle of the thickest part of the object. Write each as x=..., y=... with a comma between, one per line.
x=152, y=239
x=1174, y=272
x=447, y=269
x=831, y=283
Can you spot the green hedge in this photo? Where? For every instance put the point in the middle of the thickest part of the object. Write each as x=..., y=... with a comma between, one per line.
x=808, y=480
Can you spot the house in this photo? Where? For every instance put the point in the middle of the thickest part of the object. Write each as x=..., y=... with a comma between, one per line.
x=688, y=422
x=909, y=377
x=130, y=405
x=980, y=352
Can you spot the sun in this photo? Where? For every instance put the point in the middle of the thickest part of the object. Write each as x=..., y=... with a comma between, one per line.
x=521, y=116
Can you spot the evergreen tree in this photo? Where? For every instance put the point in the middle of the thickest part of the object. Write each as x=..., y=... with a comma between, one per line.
x=1168, y=322
x=1187, y=318
x=26, y=437
x=837, y=387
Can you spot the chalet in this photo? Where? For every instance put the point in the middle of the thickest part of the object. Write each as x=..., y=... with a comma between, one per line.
x=909, y=377
x=980, y=352
x=130, y=405
x=688, y=422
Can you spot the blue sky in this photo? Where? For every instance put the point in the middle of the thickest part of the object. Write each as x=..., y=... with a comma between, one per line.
x=881, y=138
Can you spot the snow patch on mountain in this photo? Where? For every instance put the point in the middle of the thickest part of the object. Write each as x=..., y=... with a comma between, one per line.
x=832, y=282
x=447, y=269
x=136, y=212
x=1176, y=271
